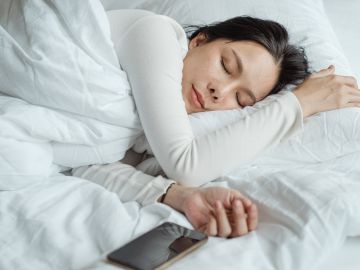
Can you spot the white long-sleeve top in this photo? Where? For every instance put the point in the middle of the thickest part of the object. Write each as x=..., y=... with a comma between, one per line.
x=151, y=49
x=140, y=180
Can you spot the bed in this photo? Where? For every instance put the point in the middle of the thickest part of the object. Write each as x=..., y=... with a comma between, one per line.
x=307, y=188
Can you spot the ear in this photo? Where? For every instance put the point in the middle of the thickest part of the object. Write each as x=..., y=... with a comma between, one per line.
x=197, y=41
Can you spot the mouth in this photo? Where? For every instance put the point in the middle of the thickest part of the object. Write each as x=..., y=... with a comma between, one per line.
x=197, y=98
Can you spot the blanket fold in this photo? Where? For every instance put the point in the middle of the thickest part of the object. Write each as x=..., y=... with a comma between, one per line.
x=62, y=88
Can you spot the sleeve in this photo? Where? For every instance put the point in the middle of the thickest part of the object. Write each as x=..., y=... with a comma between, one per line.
x=150, y=53
x=127, y=182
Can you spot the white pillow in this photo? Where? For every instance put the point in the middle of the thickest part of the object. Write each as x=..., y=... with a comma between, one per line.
x=325, y=136
x=306, y=21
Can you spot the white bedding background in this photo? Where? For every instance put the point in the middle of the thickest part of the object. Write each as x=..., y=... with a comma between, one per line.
x=307, y=189
x=345, y=19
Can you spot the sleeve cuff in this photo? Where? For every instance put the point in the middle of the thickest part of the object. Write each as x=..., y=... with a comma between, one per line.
x=159, y=186
x=293, y=112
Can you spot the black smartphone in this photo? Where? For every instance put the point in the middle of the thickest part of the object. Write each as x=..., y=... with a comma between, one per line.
x=158, y=248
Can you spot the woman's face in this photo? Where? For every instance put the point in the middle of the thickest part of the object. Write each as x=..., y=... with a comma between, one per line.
x=223, y=74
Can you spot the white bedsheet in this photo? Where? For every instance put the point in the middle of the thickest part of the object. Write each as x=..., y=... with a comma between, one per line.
x=68, y=223
x=52, y=221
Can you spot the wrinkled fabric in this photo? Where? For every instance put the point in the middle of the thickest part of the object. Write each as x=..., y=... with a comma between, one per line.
x=65, y=100
x=308, y=204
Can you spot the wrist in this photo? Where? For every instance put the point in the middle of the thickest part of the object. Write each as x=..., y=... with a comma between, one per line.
x=162, y=198
x=303, y=104
x=176, y=195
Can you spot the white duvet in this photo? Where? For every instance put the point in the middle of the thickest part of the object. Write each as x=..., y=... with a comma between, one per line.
x=55, y=112
x=64, y=92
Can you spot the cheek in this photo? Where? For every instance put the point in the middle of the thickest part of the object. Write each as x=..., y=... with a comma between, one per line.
x=203, y=65
x=229, y=103
x=232, y=104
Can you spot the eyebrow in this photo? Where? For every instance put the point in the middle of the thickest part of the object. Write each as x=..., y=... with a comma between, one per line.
x=240, y=68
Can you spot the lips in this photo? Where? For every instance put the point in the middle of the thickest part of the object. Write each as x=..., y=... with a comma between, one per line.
x=197, y=98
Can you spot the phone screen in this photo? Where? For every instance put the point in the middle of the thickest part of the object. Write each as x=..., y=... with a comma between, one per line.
x=159, y=247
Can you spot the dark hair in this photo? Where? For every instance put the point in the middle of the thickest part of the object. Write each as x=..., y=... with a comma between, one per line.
x=292, y=61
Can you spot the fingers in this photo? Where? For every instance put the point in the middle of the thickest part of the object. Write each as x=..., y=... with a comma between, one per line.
x=351, y=81
x=243, y=219
x=223, y=224
x=238, y=195
x=354, y=92
x=240, y=225
x=253, y=218
x=220, y=224
x=324, y=72
x=345, y=80
x=326, y=91
x=348, y=80
x=348, y=97
x=353, y=99
x=246, y=202
x=211, y=229
x=353, y=102
x=233, y=220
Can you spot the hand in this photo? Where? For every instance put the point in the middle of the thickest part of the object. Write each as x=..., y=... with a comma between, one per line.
x=216, y=211
x=325, y=91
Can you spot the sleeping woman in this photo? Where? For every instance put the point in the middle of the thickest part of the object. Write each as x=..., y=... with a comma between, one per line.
x=227, y=65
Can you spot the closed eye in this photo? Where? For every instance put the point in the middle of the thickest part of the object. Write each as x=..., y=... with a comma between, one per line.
x=223, y=65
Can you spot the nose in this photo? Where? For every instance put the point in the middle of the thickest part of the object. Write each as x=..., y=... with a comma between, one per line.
x=219, y=92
